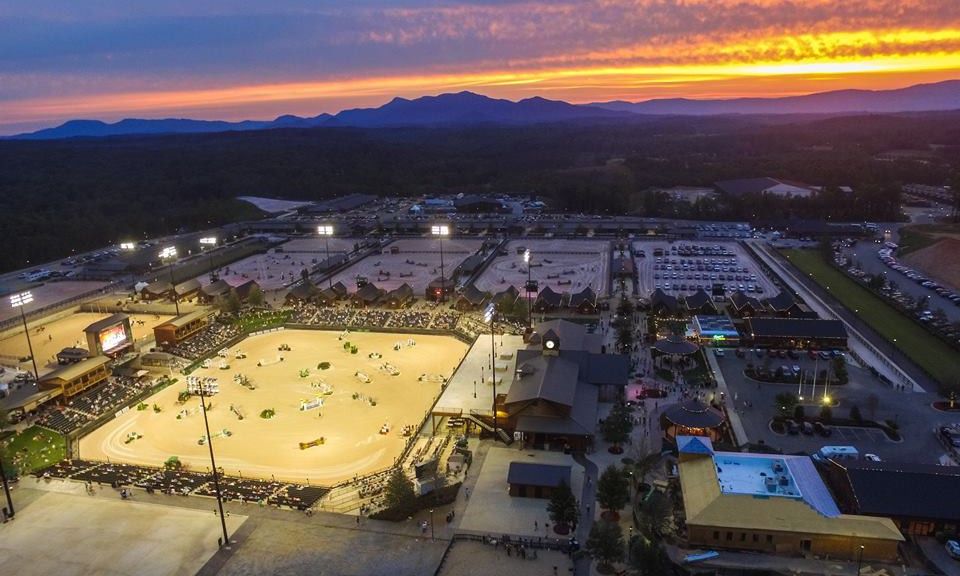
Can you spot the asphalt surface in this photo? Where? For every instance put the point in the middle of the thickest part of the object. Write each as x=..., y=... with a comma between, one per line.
x=912, y=411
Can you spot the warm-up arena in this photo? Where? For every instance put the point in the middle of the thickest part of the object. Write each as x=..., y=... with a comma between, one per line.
x=327, y=425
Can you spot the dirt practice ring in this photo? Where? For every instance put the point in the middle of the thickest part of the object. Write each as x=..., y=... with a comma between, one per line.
x=359, y=407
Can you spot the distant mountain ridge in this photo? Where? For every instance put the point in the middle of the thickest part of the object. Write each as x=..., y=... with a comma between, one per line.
x=445, y=109
x=465, y=108
x=919, y=98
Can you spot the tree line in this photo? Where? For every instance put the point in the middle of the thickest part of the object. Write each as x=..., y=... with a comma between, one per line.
x=81, y=194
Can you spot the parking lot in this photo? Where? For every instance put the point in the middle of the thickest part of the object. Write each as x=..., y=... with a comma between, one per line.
x=685, y=267
x=756, y=405
x=563, y=265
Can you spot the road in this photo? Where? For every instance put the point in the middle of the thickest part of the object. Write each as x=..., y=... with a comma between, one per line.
x=865, y=253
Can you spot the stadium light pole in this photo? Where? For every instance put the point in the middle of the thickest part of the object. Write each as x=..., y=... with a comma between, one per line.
x=213, y=463
x=6, y=490
x=211, y=242
x=326, y=230
x=489, y=315
x=440, y=231
x=19, y=301
x=526, y=260
x=171, y=254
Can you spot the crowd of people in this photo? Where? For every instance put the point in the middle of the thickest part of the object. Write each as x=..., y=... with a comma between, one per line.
x=106, y=397
x=311, y=314
x=210, y=339
x=185, y=483
x=62, y=420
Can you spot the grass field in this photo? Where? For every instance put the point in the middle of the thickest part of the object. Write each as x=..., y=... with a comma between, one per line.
x=926, y=350
x=34, y=449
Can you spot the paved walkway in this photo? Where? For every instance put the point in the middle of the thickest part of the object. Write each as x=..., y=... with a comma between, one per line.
x=588, y=507
x=739, y=432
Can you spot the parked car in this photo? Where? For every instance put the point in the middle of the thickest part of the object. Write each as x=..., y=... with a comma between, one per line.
x=872, y=458
x=793, y=354
x=719, y=353
x=953, y=549
x=792, y=427
x=807, y=428
x=740, y=353
x=822, y=429
x=951, y=435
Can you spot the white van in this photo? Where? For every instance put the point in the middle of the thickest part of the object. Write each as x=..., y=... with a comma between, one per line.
x=838, y=453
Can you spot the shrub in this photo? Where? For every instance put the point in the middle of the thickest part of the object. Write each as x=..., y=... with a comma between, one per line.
x=826, y=413
x=323, y=366
x=798, y=413
x=855, y=413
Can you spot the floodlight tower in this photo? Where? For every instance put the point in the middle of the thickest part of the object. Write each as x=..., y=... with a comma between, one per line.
x=170, y=253
x=326, y=230
x=526, y=260
x=210, y=243
x=489, y=316
x=440, y=231
x=19, y=301
x=202, y=386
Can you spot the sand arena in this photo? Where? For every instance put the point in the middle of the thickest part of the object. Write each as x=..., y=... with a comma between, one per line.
x=347, y=421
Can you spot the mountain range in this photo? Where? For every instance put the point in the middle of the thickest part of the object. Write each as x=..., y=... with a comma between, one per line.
x=464, y=108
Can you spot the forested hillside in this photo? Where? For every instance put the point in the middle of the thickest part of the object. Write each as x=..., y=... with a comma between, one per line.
x=78, y=194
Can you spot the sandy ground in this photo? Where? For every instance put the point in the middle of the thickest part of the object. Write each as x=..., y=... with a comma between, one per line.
x=573, y=265
x=425, y=255
x=645, y=269
x=281, y=265
x=131, y=538
x=939, y=261
x=50, y=293
x=63, y=333
x=263, y=448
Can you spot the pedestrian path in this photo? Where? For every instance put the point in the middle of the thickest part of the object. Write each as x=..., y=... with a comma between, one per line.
x=739, y=432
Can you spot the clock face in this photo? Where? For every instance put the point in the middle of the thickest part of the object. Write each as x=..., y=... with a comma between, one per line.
x=551, y=344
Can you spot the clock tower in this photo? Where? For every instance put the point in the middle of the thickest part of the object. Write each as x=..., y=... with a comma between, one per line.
x=551, y=343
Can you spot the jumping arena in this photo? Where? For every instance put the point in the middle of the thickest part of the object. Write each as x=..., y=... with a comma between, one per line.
x=305, y=406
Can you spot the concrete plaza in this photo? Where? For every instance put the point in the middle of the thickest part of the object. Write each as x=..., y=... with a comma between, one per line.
x=64, y=531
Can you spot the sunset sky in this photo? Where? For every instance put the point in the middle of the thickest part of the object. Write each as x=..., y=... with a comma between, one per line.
x=237, y=59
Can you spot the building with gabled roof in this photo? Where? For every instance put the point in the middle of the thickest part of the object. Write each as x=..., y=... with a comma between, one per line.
x=214, y=289
x=157, y=290
x=745, y=306
x=548, y=300
x=783, y=304
x=796, y=333
x=584, y=301
x=774, y=504
x=507, y=296
x=243, y=290
x=919, y=498
x=471, y=298
x=367, y=296
x=536, y=480
x=765, y=185
x=663, y=304
x=187, y=288
x=399, y=297
x=302, y=292
x=699, y=303
x=553, y=398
